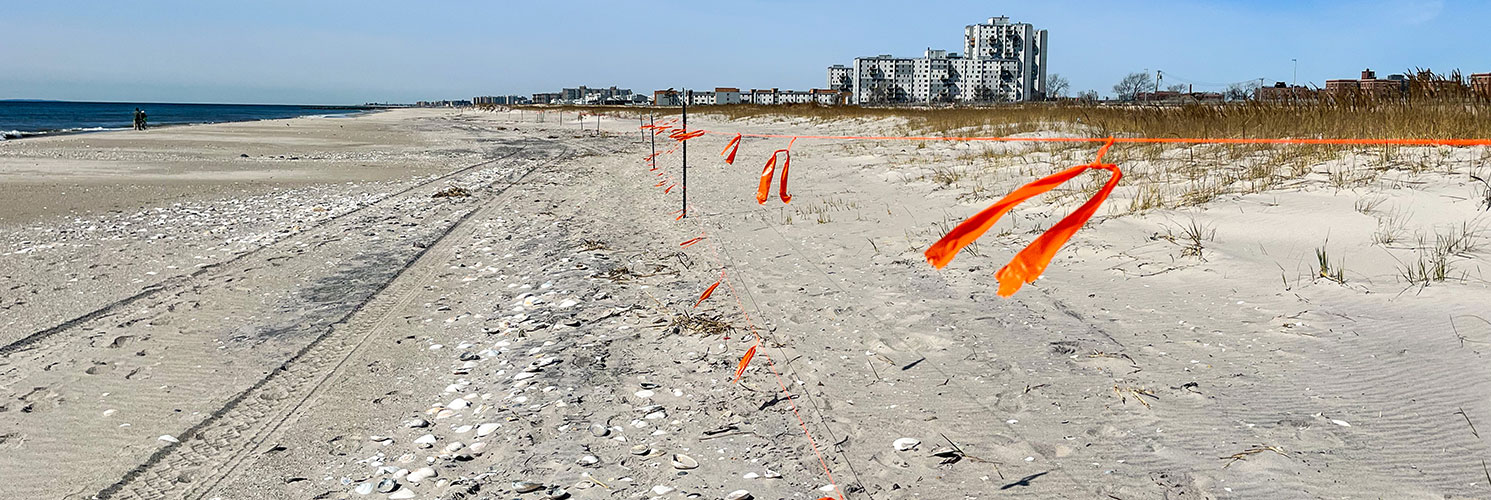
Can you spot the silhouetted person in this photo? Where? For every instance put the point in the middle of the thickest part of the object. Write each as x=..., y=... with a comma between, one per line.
x=141, y=115
x=137, y=118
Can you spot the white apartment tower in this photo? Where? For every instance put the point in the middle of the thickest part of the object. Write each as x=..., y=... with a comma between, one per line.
x=1002, y=62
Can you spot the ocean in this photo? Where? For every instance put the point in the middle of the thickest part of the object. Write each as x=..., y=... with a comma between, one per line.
x=27, y=118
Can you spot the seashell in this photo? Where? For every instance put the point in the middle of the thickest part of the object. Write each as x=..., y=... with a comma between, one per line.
x=906, y=444
x=662, y=490
x=387, y=485
x=484, y=429
x=556, y=493
x=684, y=462
x=458, y=404
x=464, y=429
x=641, y=450
x=645, y=393
x=417, y=423
x=426, y=441
x=422, y=474
x=739, y=495
x=588, y=460
x=364, y=489
x=771, y=474
x=454, y=447
x=526, y=486
x=599, y=430
x=402, y=495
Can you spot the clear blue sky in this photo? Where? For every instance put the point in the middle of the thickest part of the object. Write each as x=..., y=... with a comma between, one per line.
x=347, y=52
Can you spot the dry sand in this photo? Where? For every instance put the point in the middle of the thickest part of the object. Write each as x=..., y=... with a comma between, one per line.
x=323, y=328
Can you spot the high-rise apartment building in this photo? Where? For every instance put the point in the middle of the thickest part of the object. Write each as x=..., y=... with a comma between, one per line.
x=1002, y=62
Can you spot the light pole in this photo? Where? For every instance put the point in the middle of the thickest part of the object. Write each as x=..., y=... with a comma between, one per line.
x=1296, y=73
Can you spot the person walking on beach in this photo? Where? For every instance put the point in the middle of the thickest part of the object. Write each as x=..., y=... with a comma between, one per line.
x=137, y=118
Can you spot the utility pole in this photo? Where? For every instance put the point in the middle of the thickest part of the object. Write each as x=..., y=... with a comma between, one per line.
x=1159, y=76
x=1294, y=93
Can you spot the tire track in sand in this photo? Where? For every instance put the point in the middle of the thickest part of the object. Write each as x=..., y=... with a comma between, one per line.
x=211, y=450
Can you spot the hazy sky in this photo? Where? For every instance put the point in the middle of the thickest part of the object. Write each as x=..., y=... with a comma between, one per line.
x=348, y=52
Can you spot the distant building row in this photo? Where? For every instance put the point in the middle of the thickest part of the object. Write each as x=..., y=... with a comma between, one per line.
x=442, y=104
x=590, y=96
x=1394, y=86
x=768, y=97
x=1001, y=62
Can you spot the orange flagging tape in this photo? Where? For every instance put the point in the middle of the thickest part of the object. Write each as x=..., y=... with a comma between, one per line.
x=670, y=188
x=1032, y=260
x=745, y=361
x=707, y=292
x=691, y=242
x=1145, y=140
x=731, y=148
x=764, y=190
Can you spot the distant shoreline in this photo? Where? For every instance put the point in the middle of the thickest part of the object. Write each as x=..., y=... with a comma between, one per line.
x=31, y=118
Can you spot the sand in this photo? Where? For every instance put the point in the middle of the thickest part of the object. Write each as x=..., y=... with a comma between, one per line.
x=316, y=328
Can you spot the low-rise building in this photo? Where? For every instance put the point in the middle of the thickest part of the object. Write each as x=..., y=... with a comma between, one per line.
x=1369, y=85
x=1480, y=83
x=1282, y=92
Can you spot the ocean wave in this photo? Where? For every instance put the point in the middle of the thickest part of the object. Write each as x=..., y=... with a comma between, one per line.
x=18, y=134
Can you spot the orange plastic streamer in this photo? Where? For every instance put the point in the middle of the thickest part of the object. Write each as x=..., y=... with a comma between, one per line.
x=1028, y=264
x=744, y=362
x=707, y=292
x=691, y=242
x=670, y=188
x=730, y=149
x=763, y=191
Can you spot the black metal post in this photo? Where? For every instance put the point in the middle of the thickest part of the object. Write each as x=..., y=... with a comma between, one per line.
x=688, y=96
x=651, y=119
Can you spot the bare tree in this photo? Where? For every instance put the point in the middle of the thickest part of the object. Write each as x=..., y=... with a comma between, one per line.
x=1242, y=91
x=1179, y=88
x=1057, y=86
x=1132, y=85
x=1088, y=95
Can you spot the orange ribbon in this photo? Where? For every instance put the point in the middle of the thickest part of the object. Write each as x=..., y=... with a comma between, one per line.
x=764, y=190
x=670, y=188
x=731, y=148
x=1027, y=265
x=707, y=292
x=744, y=362
x=691, y=242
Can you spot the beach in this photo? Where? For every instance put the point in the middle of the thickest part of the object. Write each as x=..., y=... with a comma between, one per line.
x=284, y=309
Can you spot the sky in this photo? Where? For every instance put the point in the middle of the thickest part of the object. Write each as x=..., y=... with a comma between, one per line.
x=351, y=52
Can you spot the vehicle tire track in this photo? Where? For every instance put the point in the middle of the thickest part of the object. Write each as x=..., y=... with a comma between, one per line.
x=34, y=340
x=212, y=449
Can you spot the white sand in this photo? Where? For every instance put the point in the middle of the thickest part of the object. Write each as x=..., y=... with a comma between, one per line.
x=1358, y=385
